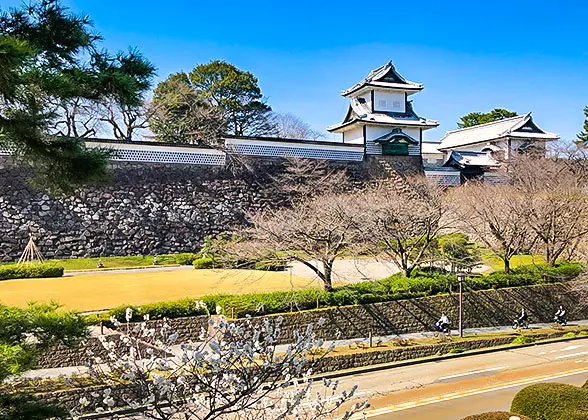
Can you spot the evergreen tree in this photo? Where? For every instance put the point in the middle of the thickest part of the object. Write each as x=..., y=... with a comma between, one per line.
x=477, y=118
x=213, y=98
x=50, y=58
x=583, y=136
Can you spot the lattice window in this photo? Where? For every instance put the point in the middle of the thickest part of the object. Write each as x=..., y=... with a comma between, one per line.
x=163, y=156
x=282, y=151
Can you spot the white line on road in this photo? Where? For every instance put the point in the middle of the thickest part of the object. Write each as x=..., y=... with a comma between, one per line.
x=453, y=396
x=473, y=372
x=563, y=356
x=571, y=348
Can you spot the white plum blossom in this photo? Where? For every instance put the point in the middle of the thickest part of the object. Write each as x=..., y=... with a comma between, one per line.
x=233, y=371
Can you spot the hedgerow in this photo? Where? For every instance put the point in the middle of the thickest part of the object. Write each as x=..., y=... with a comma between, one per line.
x=552, y=401
x=391, y=288
x=29, y=270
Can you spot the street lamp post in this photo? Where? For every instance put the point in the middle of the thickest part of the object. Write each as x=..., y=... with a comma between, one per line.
x=460, y=278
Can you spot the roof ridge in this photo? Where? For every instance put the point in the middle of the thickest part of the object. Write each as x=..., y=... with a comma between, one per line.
x=489, y=123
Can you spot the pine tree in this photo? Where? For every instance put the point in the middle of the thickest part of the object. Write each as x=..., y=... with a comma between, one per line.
x=49, y=57
x=583, y=136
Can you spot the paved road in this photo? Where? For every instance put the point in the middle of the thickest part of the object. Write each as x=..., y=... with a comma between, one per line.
x=455, y=388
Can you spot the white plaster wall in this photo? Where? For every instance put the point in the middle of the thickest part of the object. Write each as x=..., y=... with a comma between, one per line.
x=354, y=136
x=390, y=98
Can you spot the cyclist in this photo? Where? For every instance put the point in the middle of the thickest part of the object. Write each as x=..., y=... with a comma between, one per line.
x=443, y=323
x=560, y=315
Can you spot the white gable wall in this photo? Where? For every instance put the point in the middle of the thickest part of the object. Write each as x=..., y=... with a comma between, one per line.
x=386, y=101
x=353, y=136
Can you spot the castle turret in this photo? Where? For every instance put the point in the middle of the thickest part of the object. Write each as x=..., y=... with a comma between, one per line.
x=381, y=117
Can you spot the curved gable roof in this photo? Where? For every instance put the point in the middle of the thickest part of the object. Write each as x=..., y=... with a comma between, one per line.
x=385, y=76
x=508, y=127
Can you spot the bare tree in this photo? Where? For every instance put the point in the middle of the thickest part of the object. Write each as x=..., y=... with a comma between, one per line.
x=232, y=371
x=555, y=202
x=309, y=177
x=127, y=122
x=494, y=216
x=76, y=117
x=403, y=223
x=292, y=127
x=319, y=229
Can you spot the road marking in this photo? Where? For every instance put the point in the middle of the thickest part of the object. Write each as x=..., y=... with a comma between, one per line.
x=553, y=351
x=472, y=392
x=563, y=356
x=473, y=372
x=571, y=348
x=543, y=352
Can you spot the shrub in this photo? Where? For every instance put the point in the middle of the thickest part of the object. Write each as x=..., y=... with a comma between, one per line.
x=455, y=351
x=270, y=265
x=30, y=270
x=583, y=333
x=202, y=263
x=186, y=258
x=496, y=415
x=552, y=401
x=570, y=334
x=523, y=339
x=171, y=309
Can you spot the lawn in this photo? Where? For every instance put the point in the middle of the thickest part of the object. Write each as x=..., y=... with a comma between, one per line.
x=496, y=263
x=88, y=292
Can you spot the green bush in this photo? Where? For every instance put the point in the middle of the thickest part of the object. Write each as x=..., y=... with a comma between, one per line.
x=186, y=258
x=202, y=263
x=552, y=401
x=391, y=288
x=270, y=265
x=523, y=339
x=456, y=351
x=171, y=309
x=30, y=270
x=495, y=415
x=570, y=334
x=583, y=333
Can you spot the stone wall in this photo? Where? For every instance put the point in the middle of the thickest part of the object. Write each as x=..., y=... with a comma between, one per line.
x=481, y=309
x=145, y=209
x=331, y=363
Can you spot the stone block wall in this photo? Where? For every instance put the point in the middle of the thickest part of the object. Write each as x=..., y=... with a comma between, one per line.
x=145, y=209
x=481, y=309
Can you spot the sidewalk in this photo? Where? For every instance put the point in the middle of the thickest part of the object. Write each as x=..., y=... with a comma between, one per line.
x=67, y=371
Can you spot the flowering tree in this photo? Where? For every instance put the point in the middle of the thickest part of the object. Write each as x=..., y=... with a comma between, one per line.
x=233, y=371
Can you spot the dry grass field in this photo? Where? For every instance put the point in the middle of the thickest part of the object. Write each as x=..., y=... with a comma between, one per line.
x=87, y=292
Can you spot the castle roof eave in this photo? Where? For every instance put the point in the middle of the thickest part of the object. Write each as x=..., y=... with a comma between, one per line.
x=384, y=77
x=344, y=126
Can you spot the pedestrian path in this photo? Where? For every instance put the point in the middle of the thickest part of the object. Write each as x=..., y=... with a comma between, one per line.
x=68, y=371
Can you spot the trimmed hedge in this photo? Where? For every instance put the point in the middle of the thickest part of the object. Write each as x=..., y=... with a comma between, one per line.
x=158, y=310
x=202, y=263
x=552, y=401
x=392, y=288
x=186, y=258
x=30, y=270
x=496, y=415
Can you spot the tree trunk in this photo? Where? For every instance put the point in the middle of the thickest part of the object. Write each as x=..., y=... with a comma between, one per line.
x=506, y=264
x=407, y=271
x=328, y=274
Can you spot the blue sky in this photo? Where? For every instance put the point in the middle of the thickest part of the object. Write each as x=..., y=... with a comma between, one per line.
x=471, y=56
